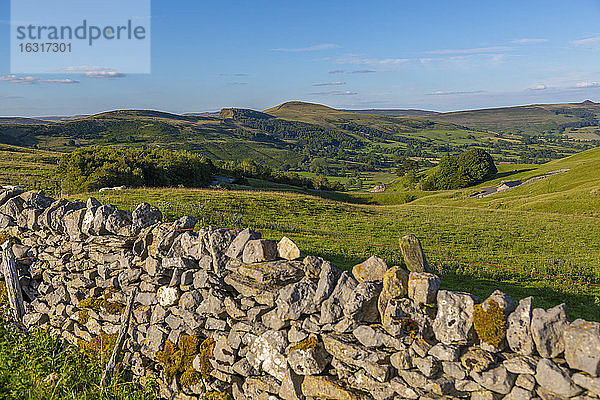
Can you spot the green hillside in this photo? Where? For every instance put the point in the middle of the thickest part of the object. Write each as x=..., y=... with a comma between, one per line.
x=576, y=120
x=295, y=136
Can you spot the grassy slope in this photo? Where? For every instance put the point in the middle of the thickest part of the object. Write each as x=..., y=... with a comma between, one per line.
x=572, y=192
x=532, y=119
x=29, y=168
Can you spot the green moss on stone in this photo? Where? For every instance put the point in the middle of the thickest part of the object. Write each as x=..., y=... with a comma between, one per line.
x=217, y=396
x=3, y=292
x=180, y=358
x=83, y=317
x=490, y=324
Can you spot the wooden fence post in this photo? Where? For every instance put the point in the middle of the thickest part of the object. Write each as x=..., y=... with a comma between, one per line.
x=125, y=319
x=13, y=287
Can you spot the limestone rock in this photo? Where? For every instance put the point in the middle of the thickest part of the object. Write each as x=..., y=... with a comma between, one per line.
x=361, y=304
x=328, y=277
x=477, y=359
x=547, y=327
x=582, y=346
x=445, y=352
x=259, y=250
x=167, y=296
x=373, y=269
x=267, y=353
x=555, y=379
x=145, y=215
x=324, y=387
x=497, y=379
x=295, y=300
x=236, y=247
x=287, y=249
x=587, y=382
x=423, y=287
x=454, y=320
x=308, y=357
x=413, y=255
x=521, y=365
x=518, y=332
x=395, y=284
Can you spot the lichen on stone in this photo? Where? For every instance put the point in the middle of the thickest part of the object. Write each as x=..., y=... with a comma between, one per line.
x=490, y=324
x=310, y=343
x=217, y=396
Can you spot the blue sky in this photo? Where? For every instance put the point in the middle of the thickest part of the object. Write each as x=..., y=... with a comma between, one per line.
x=353, y=54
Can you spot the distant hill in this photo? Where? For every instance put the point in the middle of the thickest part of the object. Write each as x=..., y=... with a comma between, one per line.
x=20, y=120
x=574, y=120
x=393, y=112
x=315, y=138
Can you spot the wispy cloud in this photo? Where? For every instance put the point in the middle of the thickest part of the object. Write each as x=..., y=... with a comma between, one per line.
x=363, y=71
x=329, y=84
x=12, y=97
x=337, y=71
x=29, y=80
x=528, y=41
x=584, y=85
x=476, y=50
x=239, y=74
x=317, y=47
x=540, y=86
x=454, y=92
x=104, y=74
x=334, y=93
x=592, y=42
x=85, y=68
x=372, y=62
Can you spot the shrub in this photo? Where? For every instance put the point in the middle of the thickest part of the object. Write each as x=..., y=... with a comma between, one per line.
x=460, y=171
x=91, y=168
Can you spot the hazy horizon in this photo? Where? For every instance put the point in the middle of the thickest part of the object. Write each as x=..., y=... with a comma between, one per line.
x=428, y=56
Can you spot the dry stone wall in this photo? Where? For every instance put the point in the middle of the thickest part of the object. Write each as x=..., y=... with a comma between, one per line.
x=226, y=314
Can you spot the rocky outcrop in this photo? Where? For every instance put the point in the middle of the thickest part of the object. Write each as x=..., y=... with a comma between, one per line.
x=227, y=312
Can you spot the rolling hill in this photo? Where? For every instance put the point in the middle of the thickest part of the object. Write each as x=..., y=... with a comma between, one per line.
x=315, y=138
x=575, y=120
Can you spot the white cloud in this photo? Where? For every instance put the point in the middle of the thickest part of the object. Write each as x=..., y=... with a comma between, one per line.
x=337, y=71
x=104, y=74
x=374, y=62
x=317, y=47
x=477, y=50
x=454, y=92
x=59, y=81
x=540, y=86
x=528, y=41
x=583, y=85
x=592, y=42
x=28, y=80
x=85, y=68
x=329, y=84
x=363, y=71
x=334, y=93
